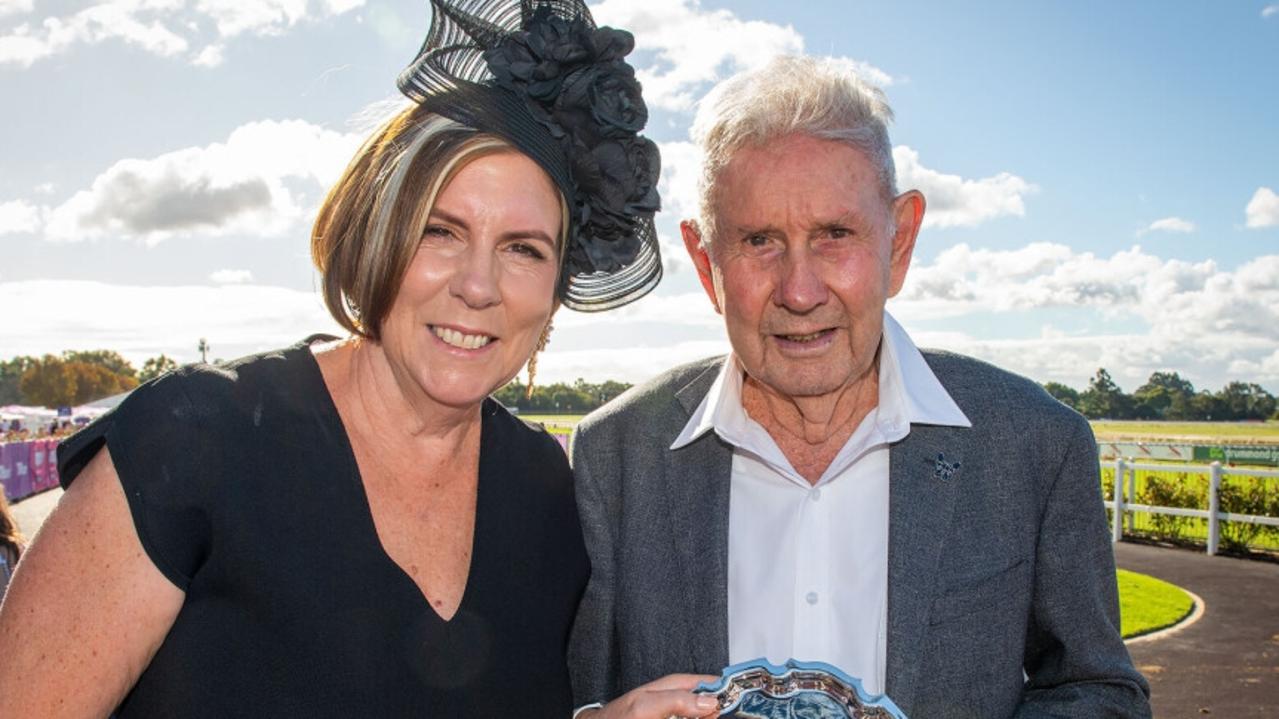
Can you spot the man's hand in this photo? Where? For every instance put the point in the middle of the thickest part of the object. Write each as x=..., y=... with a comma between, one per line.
x=670, y=696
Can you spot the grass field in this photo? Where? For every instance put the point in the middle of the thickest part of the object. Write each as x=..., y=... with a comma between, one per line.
x=1199, y=432
x=1205, y=432
x=554, y=420
x=1147, y=604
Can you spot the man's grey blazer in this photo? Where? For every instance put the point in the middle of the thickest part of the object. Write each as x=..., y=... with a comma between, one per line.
x=999, y=565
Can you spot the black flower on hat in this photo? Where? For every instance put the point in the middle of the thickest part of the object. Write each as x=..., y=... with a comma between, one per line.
x=541, y=74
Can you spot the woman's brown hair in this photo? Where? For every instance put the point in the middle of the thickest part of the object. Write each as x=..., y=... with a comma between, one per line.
x=11, y=538
x=372, y=220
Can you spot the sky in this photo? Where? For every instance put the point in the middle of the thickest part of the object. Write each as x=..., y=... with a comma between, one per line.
x=1102, y=178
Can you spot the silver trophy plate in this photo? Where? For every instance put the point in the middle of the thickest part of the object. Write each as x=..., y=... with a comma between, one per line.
x=795, y=690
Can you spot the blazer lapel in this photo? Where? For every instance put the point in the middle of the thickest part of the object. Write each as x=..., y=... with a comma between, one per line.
x=697, y=484
x=925, y=476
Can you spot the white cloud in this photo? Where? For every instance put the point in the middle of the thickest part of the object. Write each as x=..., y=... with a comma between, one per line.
x=954, y=201
x=20, y=217
x=1199, y=317
x=1170, y=224
x=161, y=27
x=230, y=277
x=1263, y=208
x=140, y=322
x=247, y=184
x=1270, y=10
x=1263, y=369
x=1208, y=362
x=263, y=17
x=681, y=170
x=141, y=23
x=693, y=47
x=210, y=56
x=337, y=7
x=681, y=167
x=15, y=7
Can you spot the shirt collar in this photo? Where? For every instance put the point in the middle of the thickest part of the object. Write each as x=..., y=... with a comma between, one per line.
x=909, y=393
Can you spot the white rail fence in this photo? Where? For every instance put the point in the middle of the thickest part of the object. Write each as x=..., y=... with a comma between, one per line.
x=1124, y=507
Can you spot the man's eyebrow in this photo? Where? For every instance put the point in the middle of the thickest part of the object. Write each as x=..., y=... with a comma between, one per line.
x=756, y=229
x=846, y=218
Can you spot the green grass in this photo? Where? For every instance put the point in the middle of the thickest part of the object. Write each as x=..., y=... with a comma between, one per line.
x=1202, y=432
x=1147, y=604
x=554, y=420
x=1189, y=489
x=1207, y=432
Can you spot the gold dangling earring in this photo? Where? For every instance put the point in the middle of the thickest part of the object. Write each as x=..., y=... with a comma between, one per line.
x=532, y=360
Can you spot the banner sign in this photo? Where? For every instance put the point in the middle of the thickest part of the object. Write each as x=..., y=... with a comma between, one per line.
x=1261, y=455
x=1144, y=451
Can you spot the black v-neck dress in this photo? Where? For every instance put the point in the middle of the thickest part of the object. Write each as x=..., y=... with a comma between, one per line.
x=245, y=493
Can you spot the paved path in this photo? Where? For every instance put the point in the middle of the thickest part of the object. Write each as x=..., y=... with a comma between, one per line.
x=1227, y=663
x=31, y=511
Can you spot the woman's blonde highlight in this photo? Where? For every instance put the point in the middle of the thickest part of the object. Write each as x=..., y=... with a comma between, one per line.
x=374, y=217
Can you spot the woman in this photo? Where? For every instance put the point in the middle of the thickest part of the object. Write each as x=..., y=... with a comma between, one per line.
x=353, y=528
x=11, y=544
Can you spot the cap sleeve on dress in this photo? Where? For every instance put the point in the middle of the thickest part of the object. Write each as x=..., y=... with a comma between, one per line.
x=157, y=445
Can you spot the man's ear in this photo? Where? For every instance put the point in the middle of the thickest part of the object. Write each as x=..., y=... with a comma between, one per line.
x=701, y=258
x=908, y=217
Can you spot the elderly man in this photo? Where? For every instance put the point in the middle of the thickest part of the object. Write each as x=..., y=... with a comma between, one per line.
x=828, y=492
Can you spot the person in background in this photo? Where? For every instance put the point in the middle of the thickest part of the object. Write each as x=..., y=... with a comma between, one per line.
x=353, y=528
x=11, y=545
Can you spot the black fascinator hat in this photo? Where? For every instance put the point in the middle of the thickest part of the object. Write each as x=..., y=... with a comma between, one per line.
x=541, y=75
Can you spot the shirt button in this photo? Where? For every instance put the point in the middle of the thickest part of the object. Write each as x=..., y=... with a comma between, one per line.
x=811, y=597
x=815, y=494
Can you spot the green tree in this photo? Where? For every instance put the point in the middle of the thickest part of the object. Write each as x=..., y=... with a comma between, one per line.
x=109, y=359
x=55, y=382
x=610, y=390
x=1240, y=400
x=11, y=372
x=94, y=381
x=1164, y=396
x=1064, y=394
x=1206, y=406
x=1103, y=399
x=156, y=366
x=48, y=383
x=571, y=399
x=512, y=395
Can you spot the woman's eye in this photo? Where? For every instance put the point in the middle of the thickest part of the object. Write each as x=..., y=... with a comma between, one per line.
x=437, y=231
x=524, y=248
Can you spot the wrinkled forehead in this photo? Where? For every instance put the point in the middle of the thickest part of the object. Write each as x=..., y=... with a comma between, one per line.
x=799, y=177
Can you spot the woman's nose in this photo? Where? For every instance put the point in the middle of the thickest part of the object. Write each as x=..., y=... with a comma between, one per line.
x=476, y=279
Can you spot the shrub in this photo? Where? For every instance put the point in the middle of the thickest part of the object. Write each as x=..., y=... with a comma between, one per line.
x=1177, y=491
x=1245, y=497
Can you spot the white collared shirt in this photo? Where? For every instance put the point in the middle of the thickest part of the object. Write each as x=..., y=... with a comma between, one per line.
x=808, y=564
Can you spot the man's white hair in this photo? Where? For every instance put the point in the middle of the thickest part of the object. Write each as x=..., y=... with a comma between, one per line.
x=821, y=97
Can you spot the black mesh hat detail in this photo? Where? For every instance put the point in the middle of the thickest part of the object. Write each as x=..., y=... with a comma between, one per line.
x=541, y=75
